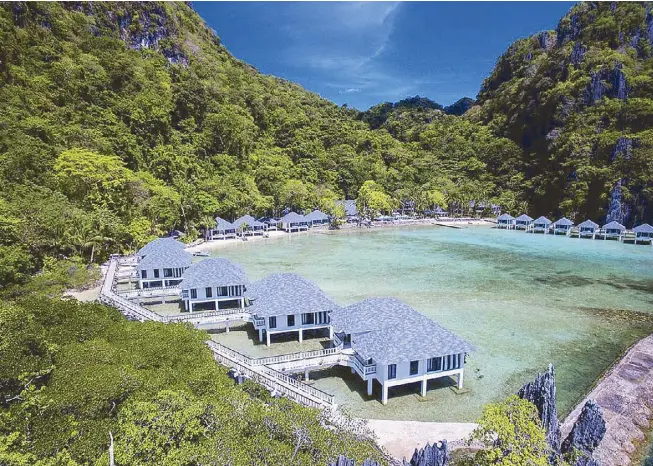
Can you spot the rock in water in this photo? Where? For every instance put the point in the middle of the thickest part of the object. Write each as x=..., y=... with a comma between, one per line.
x=342, y=461
x=435, y=455
x=542, y=393
x=585, y=436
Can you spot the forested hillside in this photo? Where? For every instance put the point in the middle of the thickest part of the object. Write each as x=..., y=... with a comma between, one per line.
x=579, y=102
x=120, y=121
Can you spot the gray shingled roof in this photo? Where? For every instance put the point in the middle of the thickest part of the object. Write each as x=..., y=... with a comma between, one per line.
x=223, y=225
x=564, y=221
x=160, y=244
x=166, y=259
x=588, y=224
x=390, y=331
x=505, y=217
x=213, y=272
x=316, y=215
x=249, y=220
x=524, y=218
x=287, y=293
x=542, y=219
x=350, y=207
x=440, y=210
x=292, y=217
x=644, y=228
x=614, y=226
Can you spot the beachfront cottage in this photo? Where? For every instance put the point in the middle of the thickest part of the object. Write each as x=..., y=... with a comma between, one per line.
x=287, y=302
x=396, y=345
x=643, y=233
x=613, y=230
x=158, y=245
x=562, y=226
x=162, y=267
x=587, y=229
x=350, y=207
x=271, y=223
x=222, y=230
x=316, y=218
x=292, y=222
x=541, y=225
x=214, y=284
x=249, y=226
x=440, y=212
x=506, y=221
x=523, y=222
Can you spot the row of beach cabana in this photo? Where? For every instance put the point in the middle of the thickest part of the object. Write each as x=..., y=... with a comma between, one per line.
x=249, y=226
x=641, y=234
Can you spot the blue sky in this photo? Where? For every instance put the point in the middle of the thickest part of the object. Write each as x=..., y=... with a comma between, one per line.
x=363, y=53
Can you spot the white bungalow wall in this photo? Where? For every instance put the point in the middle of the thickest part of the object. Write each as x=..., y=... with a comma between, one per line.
x=233, y=293
x=166, y=277
x=320, y=320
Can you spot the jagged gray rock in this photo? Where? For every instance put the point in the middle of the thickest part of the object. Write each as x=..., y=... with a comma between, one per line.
x=431, y=455
x=542, y=393
x=585, y=436
x=343, y=461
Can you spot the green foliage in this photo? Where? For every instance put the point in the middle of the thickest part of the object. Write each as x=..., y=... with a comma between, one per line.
x=511, y=435
x=372, y=200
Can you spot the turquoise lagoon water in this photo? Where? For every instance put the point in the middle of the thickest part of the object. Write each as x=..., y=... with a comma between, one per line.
x=522, y=300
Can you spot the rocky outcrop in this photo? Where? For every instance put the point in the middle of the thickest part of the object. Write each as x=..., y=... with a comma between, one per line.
x=623, y=149
x=343, y=461
x=618, y=210
x=577, y=54
x=606, y=82
x=585, y=436
x=431, y=455
x=547, y=40
x=542, y=393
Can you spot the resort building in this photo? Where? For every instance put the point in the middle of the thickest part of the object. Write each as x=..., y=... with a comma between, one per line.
x=163, y=267
x=587, y=229
x=643, y=233
x=213, y=284
x=613, y=230
x=562, y=226
x=222, y=230
x=158, y=245
x=350, y=207
x=506, y=221
x=292, y=222
x=396, y=345
x=248, y=226
x=287, y=302
x=440, y=212
x=271, y=223
x=523, y=222
x=541, y=225
x=316, y=218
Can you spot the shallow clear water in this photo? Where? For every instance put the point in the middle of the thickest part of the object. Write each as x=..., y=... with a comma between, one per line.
x=522, y=300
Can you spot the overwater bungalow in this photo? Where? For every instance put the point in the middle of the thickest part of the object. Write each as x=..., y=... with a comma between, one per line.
x=643, y=234
x=587, y=229
x=223, y=230
x=316, y=218
x=213, y=284
x=562, y=226
x=541, y=225
x=395, y=345
x=287, y=302
x=163, y=267
x=506, y=221
x=249, y=226
x=612, y=230
x=523, y=222
x=158, y=245
x=292, y=222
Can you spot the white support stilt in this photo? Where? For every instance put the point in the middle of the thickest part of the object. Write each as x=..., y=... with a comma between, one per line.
x=423, y=391
x=384, y=394
x=217, y=306
x=227, y=327
x=301, y=335
x=267, y=336
x=460, y=380
x=370, y=383
x=260, y=335
x=353, y=371
x=190, y=303
x=306, y=375
x=330, y=333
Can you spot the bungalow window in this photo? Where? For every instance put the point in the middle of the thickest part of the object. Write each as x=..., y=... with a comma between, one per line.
x=167, y=273
x=222, y=291
x=414, y=367
x=156, y=273
x=273, y=322
x=392, y=371
x=193, y=293
x=308, y=318
x=291, y=321
x=208, y=291
x=434, y=365
x=143, y=273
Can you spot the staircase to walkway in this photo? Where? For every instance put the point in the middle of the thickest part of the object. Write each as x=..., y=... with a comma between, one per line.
x=255, y=369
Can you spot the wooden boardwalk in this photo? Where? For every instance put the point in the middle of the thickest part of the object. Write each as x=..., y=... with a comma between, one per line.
x=625, y=394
